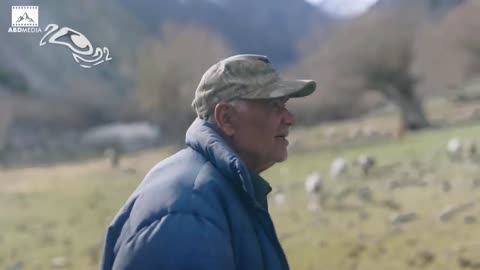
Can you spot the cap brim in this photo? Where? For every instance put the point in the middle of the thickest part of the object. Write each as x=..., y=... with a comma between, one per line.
x=292, y=89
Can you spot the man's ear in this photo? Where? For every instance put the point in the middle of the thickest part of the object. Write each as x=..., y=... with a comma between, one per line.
x=224, y=115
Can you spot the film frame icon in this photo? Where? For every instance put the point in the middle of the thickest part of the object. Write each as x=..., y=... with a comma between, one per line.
x=25, y=16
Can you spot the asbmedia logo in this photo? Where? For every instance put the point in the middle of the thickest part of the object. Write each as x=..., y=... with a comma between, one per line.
x=24, y=20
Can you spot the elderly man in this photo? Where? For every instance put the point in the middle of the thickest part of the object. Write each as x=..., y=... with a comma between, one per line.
x=205, y=207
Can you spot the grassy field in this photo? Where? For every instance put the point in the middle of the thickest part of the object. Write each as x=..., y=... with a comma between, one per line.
x=55, y=217
x=355, y=233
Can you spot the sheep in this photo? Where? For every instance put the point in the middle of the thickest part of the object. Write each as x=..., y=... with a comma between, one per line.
x=280, y=198
x=454, y=149
x=313, y=187
x=366, y=163
x=339, y=166
x=113, y=156
x=313, y=183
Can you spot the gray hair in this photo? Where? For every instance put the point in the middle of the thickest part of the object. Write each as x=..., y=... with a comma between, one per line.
x=238, y=104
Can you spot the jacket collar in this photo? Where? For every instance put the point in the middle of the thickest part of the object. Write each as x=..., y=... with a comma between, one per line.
x=262, y=188
x=202, y=137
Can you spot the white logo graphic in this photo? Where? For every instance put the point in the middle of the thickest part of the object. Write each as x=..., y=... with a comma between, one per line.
x=25, y=16
x=81, y=47
x=24, y=19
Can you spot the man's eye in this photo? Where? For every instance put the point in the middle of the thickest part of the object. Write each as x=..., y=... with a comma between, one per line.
x=277, y=104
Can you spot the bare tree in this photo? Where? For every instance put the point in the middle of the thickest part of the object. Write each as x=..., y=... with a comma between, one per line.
x=374, y=52
x=448, y=50
x=169, y=70
x=6, y=119
x=462, y=28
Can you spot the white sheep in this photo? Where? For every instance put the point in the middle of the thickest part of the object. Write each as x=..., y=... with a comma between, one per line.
x=313, y=187
x=454, y=148
x=339, y=167
x=280, y=198
x=313, y=183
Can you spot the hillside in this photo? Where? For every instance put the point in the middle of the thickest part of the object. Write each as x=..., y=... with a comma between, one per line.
x=122, y=26
x=267, y=27
x=435, y=6
x=50, y=70
x=53, y=98
x=271, y=27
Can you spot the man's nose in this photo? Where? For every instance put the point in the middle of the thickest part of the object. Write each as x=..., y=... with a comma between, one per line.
x=288, y=118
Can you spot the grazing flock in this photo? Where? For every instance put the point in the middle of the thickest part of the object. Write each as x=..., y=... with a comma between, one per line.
x=365, y=183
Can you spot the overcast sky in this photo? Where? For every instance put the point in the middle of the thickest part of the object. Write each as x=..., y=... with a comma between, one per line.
x=344, y=7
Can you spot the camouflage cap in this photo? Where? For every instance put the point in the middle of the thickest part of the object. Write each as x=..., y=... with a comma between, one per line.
x=245, y=76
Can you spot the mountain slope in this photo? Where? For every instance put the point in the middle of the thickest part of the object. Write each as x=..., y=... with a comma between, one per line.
x=50, y=70
x=271, y=27
x=434, y=6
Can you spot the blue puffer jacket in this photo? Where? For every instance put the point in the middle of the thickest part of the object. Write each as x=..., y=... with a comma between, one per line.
x=198, y=209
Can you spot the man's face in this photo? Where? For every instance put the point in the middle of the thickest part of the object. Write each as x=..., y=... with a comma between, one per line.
x=260, y=131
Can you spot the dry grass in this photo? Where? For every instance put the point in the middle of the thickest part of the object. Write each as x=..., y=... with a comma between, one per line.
x=60, y=212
